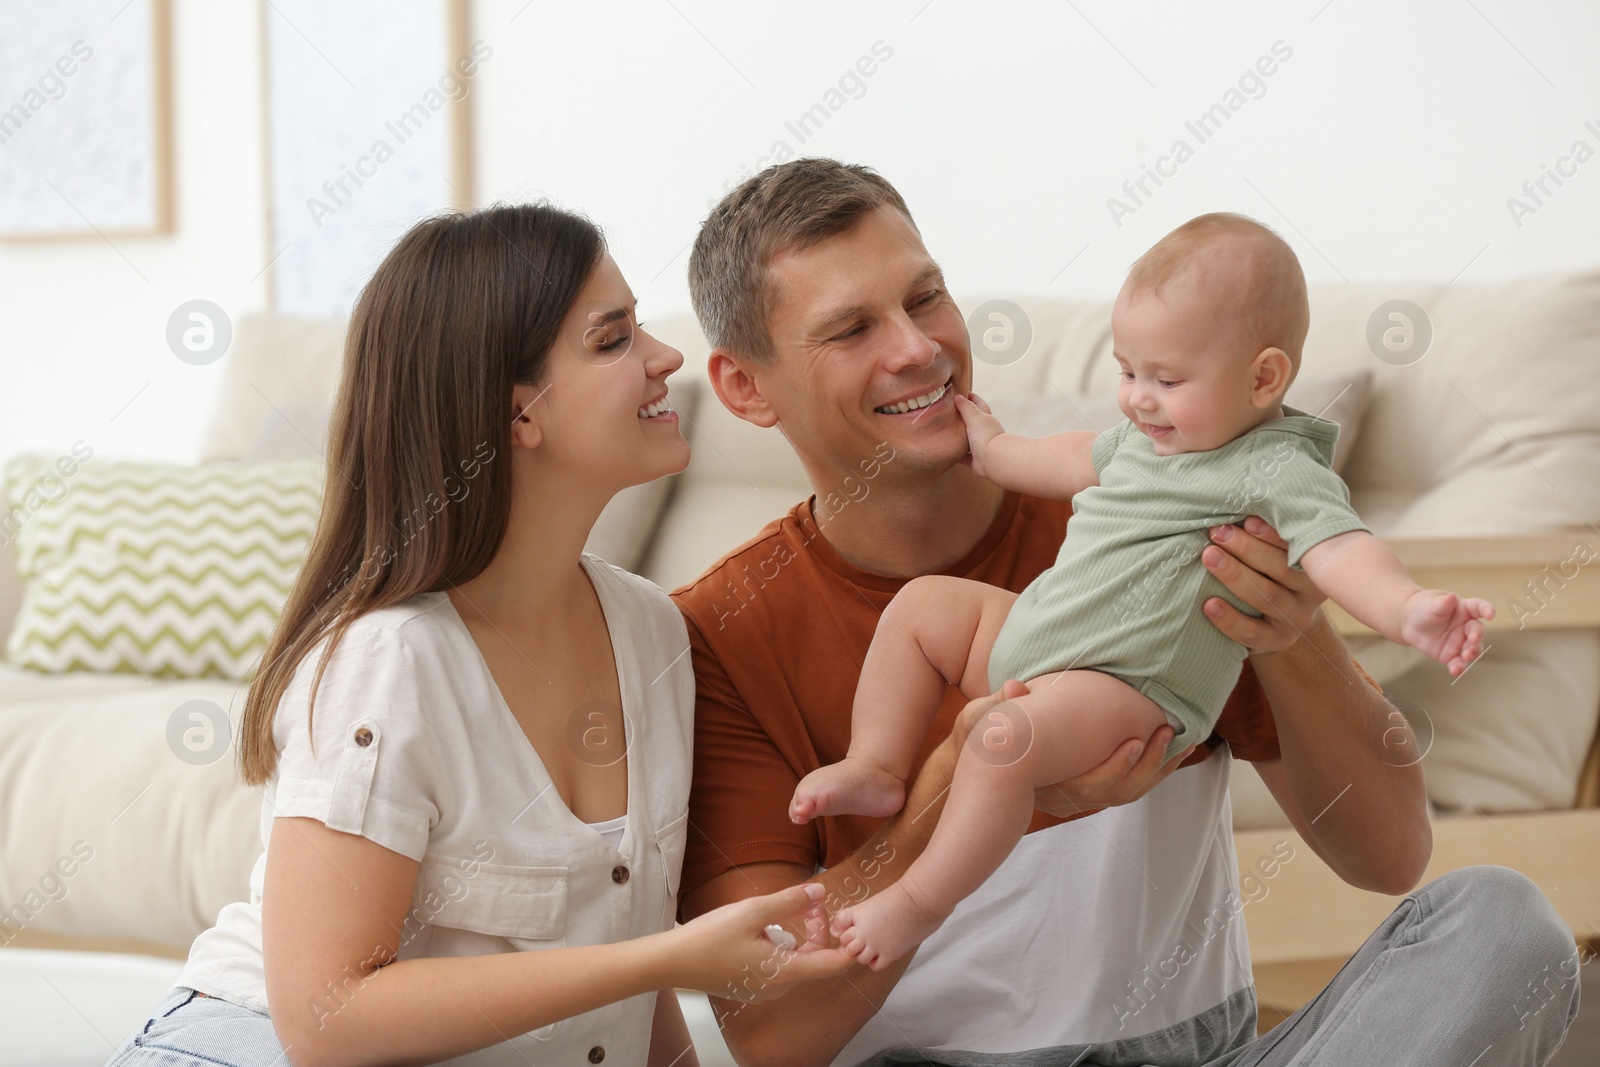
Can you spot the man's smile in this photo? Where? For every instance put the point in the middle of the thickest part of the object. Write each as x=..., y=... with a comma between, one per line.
x=937, y=395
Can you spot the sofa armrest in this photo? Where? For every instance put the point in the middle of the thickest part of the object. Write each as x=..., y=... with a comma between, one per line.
x=1302, y=911
x=1544, y=581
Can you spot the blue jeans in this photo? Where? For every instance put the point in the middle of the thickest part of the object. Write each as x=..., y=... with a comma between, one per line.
x=187, y=1031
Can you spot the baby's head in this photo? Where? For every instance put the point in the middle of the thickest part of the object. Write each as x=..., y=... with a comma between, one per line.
x=1207, y=331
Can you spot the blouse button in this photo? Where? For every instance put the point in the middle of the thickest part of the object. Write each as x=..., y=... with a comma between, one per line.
x=597, y=1054
x=363, y=737
x=619, y=874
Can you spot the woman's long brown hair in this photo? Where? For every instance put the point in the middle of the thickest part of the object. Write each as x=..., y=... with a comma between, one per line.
x=418, y=485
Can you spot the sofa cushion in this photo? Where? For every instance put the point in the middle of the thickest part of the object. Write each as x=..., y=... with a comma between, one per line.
x=278, y=393
x=1472, y=437
x=157, y=570
x=102, y=760
x=1495, y=429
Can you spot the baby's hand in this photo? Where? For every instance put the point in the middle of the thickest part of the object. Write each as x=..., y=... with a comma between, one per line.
x=982, y=427
x=1445, y=626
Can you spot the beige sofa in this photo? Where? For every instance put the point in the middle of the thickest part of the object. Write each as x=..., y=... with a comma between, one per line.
x=1480, y=461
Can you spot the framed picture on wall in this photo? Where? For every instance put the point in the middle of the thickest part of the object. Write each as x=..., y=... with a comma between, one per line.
x=85, y=119
x=368, y=129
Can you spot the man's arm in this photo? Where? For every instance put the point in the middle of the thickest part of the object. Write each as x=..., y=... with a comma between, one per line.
x=670, y=1043
x=1348, y=777
x=791, y=1030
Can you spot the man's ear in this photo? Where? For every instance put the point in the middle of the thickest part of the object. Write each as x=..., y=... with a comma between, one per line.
x=1270, y=373
x=738, y=389
x=528, y=404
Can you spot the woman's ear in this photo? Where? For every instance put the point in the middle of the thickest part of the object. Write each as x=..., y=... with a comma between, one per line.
x=1270, y=373
x=738, y=389
x=528, y=403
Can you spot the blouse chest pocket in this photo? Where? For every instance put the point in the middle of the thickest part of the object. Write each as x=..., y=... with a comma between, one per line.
x=525, y=905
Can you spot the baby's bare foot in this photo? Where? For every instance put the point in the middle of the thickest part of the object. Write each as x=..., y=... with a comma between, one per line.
x=884, y=927
x=849, y=787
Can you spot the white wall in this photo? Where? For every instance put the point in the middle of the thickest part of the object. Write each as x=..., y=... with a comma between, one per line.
x=1384, y=147
x=83, y=351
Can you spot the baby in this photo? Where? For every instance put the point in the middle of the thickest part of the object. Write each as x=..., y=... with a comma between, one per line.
x=1207, y=331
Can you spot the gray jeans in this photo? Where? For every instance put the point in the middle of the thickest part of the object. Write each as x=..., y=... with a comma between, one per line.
x=1474, y=969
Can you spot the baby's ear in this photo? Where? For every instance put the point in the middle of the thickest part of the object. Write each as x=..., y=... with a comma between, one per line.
x=1271, y=372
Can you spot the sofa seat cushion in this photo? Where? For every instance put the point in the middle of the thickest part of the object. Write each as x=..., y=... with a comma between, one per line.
x=105, y=773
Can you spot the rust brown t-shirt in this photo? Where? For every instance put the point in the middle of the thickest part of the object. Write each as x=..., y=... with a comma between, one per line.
x=779, y=628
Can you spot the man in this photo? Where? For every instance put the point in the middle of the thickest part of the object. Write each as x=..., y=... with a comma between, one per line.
x=1110, y=939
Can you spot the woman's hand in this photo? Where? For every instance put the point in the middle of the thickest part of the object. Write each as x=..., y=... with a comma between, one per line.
x=1253, y=563
x=1135, y=768
x=727, y=953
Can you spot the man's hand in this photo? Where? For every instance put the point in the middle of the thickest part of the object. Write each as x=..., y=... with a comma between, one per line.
x=1135, y=768
x=1253, y=563
x=1326, y=712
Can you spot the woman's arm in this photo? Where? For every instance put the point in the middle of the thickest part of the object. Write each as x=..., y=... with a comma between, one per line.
x=333, y=908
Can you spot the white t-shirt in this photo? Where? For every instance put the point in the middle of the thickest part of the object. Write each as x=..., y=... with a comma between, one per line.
x=1112, y=928
x=415, y=749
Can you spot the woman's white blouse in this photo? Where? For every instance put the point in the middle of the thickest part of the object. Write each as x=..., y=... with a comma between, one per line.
x=412, y=747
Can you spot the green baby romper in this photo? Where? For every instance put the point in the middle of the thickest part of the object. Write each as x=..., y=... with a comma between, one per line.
x=1124, y=594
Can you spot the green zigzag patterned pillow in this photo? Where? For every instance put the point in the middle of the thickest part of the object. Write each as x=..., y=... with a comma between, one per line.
x=164, y=571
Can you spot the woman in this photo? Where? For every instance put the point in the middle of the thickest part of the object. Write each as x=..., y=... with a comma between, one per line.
x=474, y=740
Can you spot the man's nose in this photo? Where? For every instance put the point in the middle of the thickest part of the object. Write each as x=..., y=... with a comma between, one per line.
x=908, y=346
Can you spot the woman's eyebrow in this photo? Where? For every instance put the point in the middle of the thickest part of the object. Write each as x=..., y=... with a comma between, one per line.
x=612, y=316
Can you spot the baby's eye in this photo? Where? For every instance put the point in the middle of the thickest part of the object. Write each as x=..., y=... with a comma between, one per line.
x=1165, y=384
x=1127, y=375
